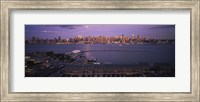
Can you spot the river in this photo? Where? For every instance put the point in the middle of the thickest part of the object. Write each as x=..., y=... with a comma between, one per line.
x=114, y=53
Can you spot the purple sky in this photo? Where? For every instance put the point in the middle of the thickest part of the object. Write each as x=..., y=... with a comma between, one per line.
x=69, y=31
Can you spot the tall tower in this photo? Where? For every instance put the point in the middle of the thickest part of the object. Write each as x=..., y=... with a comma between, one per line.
x=132, y=36
x=138, y=37
x=59, y=38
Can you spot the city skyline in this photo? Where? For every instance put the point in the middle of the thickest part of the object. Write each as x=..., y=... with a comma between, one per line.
x=108, y=30
x=79, y=39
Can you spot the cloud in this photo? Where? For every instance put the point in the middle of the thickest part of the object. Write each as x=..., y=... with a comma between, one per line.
x=48, y=31
x=70, y=26
x=163, y=27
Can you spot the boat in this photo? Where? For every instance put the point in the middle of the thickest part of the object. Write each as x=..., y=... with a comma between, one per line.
x=76, y=51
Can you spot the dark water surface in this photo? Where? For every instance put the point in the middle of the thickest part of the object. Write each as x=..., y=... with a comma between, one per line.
x=114, y=53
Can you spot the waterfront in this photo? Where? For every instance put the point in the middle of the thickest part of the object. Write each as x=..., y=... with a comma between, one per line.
x=111, y=60
x=115, y=54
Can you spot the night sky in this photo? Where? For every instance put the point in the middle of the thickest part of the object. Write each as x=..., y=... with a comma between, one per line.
x=70, y=31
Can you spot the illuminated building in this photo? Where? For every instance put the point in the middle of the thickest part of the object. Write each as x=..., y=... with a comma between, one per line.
x=132, y=36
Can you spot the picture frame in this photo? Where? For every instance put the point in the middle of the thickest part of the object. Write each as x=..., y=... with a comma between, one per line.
x=7, y=6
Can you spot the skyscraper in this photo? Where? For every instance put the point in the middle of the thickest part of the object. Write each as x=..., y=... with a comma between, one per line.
x=132, y=36
x=138, y=37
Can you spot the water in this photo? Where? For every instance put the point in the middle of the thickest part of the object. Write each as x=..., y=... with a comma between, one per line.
x=115, y=54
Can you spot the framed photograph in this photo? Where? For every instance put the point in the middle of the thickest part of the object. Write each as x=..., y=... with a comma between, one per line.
x=100, y=50
x=114, y=50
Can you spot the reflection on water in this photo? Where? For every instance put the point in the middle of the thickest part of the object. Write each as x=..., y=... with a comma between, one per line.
x=115, y=54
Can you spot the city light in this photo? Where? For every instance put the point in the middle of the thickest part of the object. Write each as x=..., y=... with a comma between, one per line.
x=100, y=50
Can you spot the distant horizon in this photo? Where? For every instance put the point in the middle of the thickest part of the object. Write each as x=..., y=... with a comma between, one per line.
x=96, y=36
x=95, y=30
